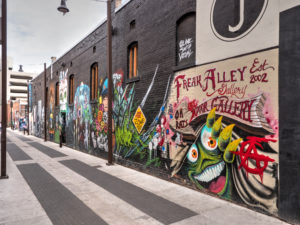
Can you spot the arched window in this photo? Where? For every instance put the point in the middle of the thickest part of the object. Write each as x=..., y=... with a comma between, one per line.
x=185, y=39
x=94, y=81
x=133, y=60
x=57, y=94
x=71, y=89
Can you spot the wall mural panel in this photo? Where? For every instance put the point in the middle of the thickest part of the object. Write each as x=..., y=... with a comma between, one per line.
x=63, y=90
x=52, y=110
x=132, y=143
x=217, y=126
x=82, y=116
x=225, y=116
x=99, y=127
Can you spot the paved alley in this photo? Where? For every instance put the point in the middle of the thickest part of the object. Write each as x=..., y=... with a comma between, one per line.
x=52, y=185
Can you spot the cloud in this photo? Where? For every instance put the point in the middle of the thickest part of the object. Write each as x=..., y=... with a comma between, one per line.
x=37, y=31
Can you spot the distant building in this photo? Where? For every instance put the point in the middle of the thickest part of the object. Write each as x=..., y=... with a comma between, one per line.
x=17, y=82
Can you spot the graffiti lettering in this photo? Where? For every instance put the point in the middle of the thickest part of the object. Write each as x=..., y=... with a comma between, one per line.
x=248, y=151
x=180, y=123
x=260, y=77
x=178, y=114
x=258, y=68
x=240, y=109
x=231, y=90
x=185, y=49
x=211, y=79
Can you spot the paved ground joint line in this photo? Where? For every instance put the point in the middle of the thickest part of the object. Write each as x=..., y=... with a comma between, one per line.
x=60, y=204
x=157, y=207
x=16, y=153
x=47, y=150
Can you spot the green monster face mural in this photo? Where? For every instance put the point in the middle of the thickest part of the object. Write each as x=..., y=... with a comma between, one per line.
x=211, y=155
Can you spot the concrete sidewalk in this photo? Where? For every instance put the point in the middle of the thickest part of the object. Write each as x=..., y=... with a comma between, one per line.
x=52, y=185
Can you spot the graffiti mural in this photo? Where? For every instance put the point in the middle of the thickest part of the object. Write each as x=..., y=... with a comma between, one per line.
x=39, y=119
x=225, y=117
x=141, y=145
x=82, y=116
x=217, y=126
x=99, y=128
x=51, y=116
x=60, y=123
x=63, y=90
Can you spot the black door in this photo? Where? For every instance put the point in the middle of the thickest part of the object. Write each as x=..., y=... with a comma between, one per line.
x=63, y=127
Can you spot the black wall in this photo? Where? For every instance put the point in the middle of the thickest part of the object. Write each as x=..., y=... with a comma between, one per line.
x=289, y=114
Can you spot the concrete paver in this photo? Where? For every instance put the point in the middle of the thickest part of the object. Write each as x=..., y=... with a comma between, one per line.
x=20, y=206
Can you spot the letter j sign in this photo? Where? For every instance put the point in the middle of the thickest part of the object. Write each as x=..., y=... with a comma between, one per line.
x=234, y=19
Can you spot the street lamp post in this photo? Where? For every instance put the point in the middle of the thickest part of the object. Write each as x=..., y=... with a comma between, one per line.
x=4, y=83
x=63, y=8
x=45, y=102
x=28, y=107
x=109, y=70
x=11, y=113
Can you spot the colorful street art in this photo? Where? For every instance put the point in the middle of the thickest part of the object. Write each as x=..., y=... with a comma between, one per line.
x=217, y=126
x=130, y=142
x=63, y=90
x=51, y=116
x=99, y=128
x=226, y=117
x=82, y=116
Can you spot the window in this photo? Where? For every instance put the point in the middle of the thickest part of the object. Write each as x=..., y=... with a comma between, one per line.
x=185, y=40
x=94, y=81
x=57, y=94
x=132, y=60
x=132, y=25
x=71, y=89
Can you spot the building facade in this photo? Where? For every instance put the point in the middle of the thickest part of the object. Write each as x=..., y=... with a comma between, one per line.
x=199, y=88
x=18, y=84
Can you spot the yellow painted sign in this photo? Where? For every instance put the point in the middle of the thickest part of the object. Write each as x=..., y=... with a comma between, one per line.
x=139, y=119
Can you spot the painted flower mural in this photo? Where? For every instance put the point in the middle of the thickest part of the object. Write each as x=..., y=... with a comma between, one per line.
x=99, y=128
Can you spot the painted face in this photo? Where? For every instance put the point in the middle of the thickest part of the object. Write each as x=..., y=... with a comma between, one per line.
x=105, y=104
x=207, y=167
x=211, y=155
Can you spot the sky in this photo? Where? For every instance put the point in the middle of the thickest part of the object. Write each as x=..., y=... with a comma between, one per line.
x=36, y=30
